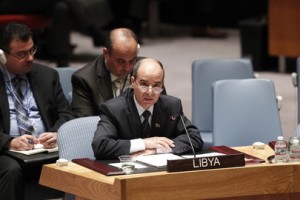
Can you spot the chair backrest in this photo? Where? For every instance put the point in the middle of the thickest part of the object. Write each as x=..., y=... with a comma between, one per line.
x=65, y=75
x=244, y=112
x=74, y=138
x=204, y=73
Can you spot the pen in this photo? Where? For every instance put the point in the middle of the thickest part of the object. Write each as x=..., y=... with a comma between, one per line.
x=30, y=141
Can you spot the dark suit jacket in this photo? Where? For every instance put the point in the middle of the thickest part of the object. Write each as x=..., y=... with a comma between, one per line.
x=54, y=107
x=91, y=86
x=120, y=122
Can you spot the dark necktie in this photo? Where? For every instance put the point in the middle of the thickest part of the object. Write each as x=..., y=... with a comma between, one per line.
x=145, y=125
x=24, y=124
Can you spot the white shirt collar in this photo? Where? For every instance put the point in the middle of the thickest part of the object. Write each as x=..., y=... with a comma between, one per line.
x=140, y=108
x=113, y=77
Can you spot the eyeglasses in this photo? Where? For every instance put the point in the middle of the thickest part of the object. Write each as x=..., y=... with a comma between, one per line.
x=22, y=54
x=155, y=89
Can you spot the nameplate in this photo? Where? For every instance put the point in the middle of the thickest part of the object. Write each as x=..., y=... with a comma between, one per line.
x=202, y=163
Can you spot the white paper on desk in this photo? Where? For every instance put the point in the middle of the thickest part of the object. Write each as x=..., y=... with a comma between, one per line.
x=204, y=155
x=35, y=151
x=158, y=160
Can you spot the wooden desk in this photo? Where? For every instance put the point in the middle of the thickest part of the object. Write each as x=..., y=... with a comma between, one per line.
x=259, y=181
x=284, y=29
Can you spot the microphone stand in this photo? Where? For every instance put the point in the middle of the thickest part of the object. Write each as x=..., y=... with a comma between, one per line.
x=187, y=133
x=211, y=162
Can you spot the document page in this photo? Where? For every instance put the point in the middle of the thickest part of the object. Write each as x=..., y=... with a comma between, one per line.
x=35, y=151
x=158, y=160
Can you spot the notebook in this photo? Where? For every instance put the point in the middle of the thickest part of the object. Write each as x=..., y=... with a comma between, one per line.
x=36, y=150
x=249, y=159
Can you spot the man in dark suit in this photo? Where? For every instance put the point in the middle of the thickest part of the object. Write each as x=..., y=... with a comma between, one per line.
x=94, y=83
x=39, y=100
x=122, y=131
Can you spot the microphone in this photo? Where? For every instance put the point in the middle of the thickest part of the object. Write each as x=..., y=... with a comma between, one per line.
x=209, y=162
x=188, y=135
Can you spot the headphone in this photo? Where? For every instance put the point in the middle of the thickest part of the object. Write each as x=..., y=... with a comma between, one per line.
x=2, y=57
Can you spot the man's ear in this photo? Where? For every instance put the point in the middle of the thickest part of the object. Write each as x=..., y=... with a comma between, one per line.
x=132, y=80
x=105, y=52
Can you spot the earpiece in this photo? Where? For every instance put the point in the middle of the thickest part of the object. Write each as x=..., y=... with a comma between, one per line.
x=138, y=48
x=2, y=57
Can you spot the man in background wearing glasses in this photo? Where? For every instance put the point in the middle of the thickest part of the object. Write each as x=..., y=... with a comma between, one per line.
x=32, y=107
x=125, y=128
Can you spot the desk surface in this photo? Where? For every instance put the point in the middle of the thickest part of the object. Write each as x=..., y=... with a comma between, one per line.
x=256, y=181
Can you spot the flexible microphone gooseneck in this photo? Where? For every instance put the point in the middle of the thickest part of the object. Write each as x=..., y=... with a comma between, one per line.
x=209, y=162
x=187, y=133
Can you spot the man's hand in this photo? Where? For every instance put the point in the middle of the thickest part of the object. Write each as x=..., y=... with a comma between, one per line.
x=23, y=142
x=162, y=143
x=48, y=139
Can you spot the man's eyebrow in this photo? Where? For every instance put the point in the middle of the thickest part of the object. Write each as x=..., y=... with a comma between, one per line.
x=120, y=59
x=145, y=81
x=134, y=58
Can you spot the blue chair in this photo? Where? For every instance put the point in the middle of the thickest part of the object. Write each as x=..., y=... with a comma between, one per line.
x=245, y=111
x=65, y=75
x=296, y=82
x=204, y=73
x=74, y=138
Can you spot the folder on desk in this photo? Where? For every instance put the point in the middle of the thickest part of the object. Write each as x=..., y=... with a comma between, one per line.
x=34, y=159
x=98, y=166
x=249, y=159
x=272, y=144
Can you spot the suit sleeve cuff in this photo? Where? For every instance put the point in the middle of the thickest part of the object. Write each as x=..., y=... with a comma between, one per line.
x=137, y=145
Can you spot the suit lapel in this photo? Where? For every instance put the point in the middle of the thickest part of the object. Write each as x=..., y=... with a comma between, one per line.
x=158, y=119
x=4, y=106
x=38, y=94
x=134, y=118
x=35, y=87
x=104, y=80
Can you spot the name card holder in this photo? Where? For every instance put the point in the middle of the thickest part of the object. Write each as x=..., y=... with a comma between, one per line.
x=202, y=163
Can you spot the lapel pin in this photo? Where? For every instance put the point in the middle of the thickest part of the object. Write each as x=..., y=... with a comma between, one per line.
x=173, y=118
